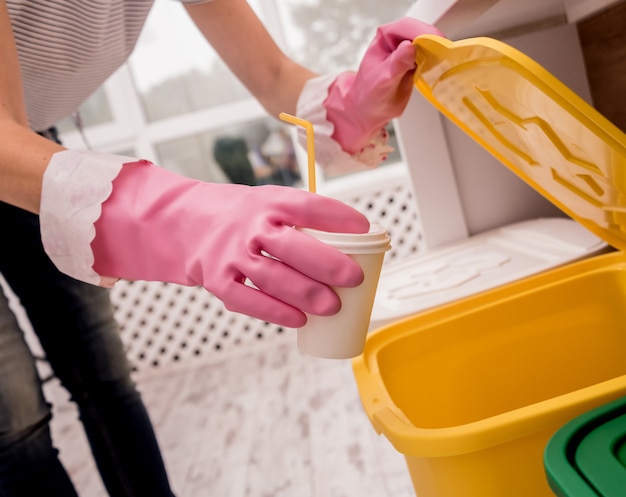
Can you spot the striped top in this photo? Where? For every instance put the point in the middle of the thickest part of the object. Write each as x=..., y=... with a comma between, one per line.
x=68, y=48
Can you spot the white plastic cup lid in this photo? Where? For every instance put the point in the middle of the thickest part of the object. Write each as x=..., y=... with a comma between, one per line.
x=374, y=241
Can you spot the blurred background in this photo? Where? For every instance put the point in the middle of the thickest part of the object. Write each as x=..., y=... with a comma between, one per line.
x=176, y=102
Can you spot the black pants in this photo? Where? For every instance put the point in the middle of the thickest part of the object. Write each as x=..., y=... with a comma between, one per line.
x=75, y=324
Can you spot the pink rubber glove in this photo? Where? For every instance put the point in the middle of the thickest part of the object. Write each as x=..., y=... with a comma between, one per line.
x=157, y=225
x=360, y=104
x=356, y=107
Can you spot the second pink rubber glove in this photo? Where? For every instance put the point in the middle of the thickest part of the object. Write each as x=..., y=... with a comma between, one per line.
x=160, y=226
x=359, y=104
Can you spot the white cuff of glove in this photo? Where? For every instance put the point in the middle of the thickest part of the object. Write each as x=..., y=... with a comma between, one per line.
x=328, y=153
x=75, y=185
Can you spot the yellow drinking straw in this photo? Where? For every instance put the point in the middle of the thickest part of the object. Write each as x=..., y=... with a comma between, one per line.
x=310, y=144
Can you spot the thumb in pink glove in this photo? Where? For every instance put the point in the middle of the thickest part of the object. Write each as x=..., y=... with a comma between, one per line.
x=359, y=105
x=157, y=225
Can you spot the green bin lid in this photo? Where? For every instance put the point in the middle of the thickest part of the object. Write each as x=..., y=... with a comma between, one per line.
x=587, y=456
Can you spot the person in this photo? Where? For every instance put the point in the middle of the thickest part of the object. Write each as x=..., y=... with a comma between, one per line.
x=231, y=155
x=74, y=222
x=280, y=155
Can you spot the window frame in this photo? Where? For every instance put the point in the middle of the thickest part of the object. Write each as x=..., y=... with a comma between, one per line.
x=129, y=131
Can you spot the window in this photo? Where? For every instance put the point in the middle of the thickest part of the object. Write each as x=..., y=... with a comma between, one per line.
x=175, y=102
x=94, y=111
x=331, y=35
x=254, y=153
x=175, y=71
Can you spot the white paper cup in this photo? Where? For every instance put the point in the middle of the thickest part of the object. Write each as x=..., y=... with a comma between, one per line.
x=343, y=335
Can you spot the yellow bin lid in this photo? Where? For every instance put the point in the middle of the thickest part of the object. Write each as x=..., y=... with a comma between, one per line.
x=532, y=123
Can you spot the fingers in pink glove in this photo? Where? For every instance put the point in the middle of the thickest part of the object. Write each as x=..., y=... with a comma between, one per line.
x=310, y=210
x=252, y=302
x=299, y=281
x=389, y=36
x=313, y=258
x=305, y=254
x=360, y=104
x=289, y=286
x=283, y=294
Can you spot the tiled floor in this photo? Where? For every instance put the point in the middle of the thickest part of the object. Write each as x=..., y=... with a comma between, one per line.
x=262, y=422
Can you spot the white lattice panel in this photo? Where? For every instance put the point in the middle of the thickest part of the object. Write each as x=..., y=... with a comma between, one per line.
x=163, y=323
x=394, y=209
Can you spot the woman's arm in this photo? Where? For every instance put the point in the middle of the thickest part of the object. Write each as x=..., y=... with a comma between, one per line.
x=24, y=155
x=241, y=40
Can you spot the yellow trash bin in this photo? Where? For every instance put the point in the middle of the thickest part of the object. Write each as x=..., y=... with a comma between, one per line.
x=471, y=391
